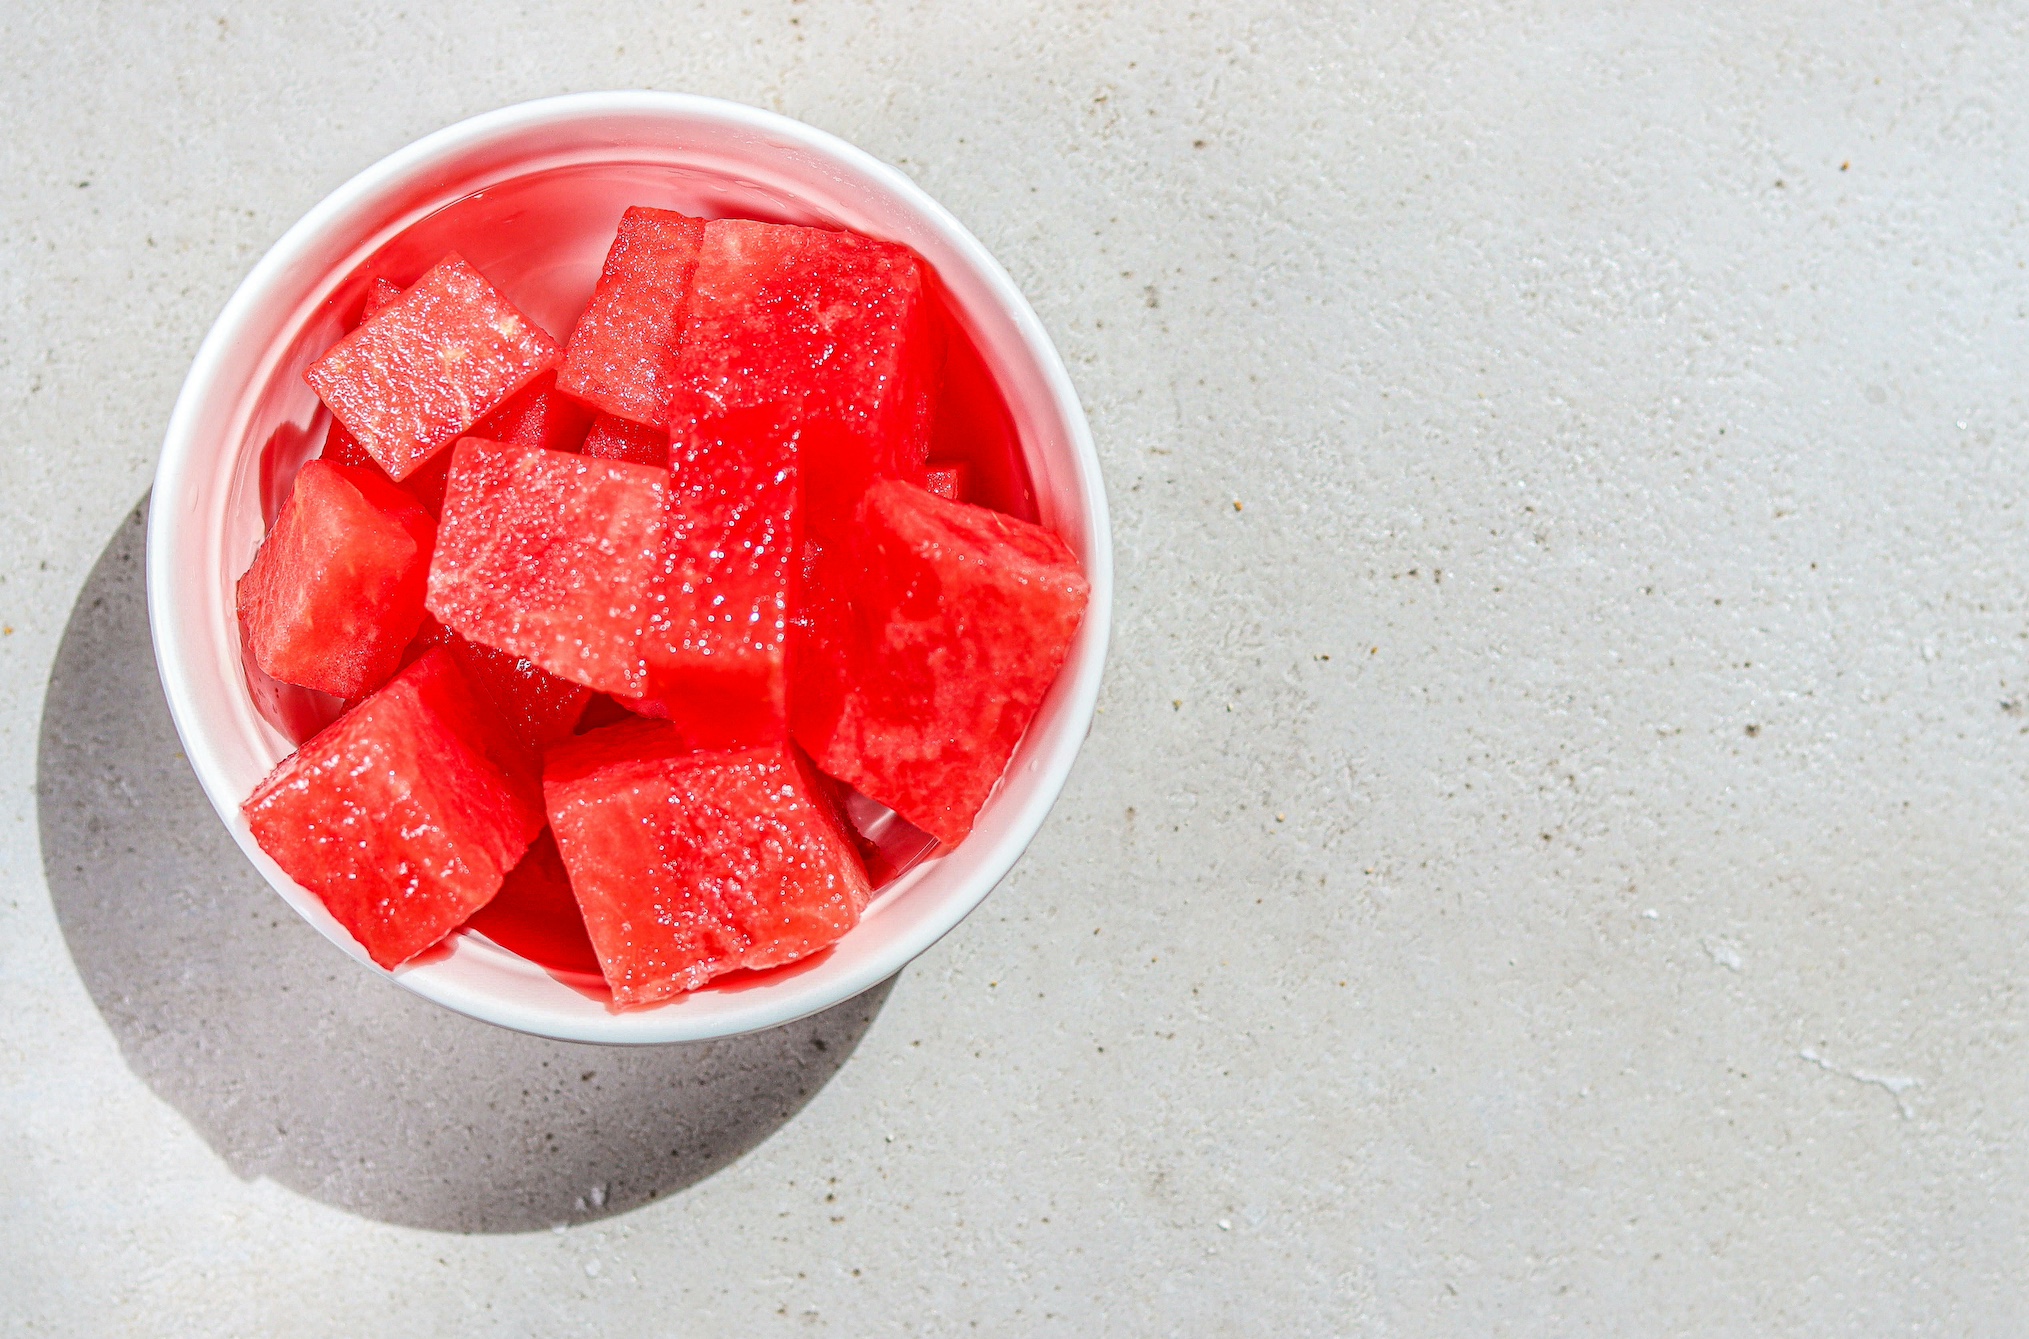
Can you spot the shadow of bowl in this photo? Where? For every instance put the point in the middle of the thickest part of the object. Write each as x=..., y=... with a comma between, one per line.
x=295, y=1064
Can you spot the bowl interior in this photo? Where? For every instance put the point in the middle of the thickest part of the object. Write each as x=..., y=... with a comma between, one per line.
x=530, y=196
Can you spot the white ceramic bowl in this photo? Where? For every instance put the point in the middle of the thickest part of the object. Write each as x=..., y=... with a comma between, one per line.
x=536, y=189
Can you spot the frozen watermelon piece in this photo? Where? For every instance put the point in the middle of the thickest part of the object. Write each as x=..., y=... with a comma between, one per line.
x=950, y=479
x=395, y=816
x=552, y=557
x=622, y=354
x=538, y=415
x=836, y=327
x=690, y=864
x=929, y=645
x=536, y=707
x=423, y=370
x=536, y=914
x=615, y=438
x=335, y=592
x=716, y=646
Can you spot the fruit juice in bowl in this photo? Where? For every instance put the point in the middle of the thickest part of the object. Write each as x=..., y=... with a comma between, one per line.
x=529, y=198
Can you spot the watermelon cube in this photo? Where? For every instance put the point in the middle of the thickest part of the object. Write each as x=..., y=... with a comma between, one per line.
x=818, y=627
x=603, y=711
x=927, y=647
x=690, y=864
x=536, y=914
x=716, y=646
x=538, y=415
x=831, y=325
x=382, y=292
x=950, y=479
x=529, y=703
x=335, y=592
x=614, y=438
x=622, y=354
x=396, y=816
x=551, y=557
x=340, y=446
x=427, y=484
x=423, y=370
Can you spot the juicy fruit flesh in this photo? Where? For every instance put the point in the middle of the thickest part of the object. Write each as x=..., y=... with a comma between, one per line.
x=536, y=707
x=335, y=592
x=536, y=415
x=688, y=864
x=539, y=414
x=614, y=438
x=831, y=326
x=551, y=557
x=536, y=914
x=395, y=817
x=931, y=642
x=717, y=646
x=951, y=480
x=425, y=369
x=622, y=354
x=340, y=446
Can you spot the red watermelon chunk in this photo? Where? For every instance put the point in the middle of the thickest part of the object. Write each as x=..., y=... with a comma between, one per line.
x=340, y=446
x=335, y=592
x=687, y=865
x=538, y=415
x=818, y=662
x=950, y=479
x=716, y=645
x=395, y=816
x=955, y=622
x=536, y=914
x=427, y=484
x=836, y=327
x=622, y=354
x=425, y=369
x=534, y=706
x=614, y=438
x=551, y=557
x=382, y=292
x=603, y=711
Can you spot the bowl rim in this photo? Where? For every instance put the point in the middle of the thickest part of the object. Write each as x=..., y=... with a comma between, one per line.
x=767, y=1005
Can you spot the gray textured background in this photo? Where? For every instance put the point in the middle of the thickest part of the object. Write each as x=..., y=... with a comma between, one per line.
x=1551, y=860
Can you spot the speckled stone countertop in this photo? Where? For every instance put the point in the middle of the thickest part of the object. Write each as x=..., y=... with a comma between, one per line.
x=1551, y=858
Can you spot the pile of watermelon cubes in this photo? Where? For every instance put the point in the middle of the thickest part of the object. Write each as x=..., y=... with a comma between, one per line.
x=629, y=616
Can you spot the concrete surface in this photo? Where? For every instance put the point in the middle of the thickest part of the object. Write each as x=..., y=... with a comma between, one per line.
x=1551, y=860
